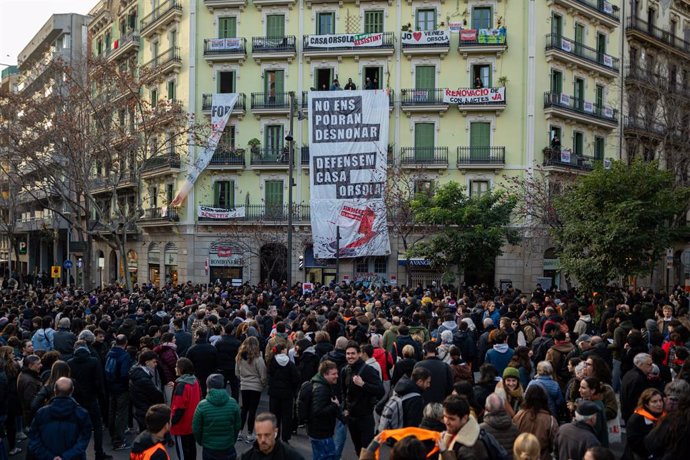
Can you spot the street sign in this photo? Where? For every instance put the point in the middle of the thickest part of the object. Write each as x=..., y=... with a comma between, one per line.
x=67, y=264
x=56, y=271
x=22, y=247
x=80, y=263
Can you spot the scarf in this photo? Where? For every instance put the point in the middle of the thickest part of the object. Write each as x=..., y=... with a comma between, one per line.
x=649, y=416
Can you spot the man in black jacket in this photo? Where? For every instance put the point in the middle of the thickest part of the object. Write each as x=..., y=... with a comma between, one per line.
x=64, y=339
x=267, y=445
x=205, y=358
x=635, y=381
x=144, y=386
x=183, y=339
x=413, y=406
x=227, y=347
x=87, y=373
x=325, y=409
x=441, y=375
x=362, y=388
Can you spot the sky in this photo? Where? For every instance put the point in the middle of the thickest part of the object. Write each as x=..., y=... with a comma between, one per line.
x=21, y=19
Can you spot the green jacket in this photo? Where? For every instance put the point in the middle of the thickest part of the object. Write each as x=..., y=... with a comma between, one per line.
x=389, y=338
x=216, y=421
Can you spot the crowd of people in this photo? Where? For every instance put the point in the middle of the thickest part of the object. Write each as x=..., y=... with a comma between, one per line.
x=423, y=372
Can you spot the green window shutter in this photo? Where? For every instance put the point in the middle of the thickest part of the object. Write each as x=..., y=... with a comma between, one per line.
x=599, y=148
x=325, y=24
x=578, y=143
x=373, y=22
x=275, y=25
x=601, y=44
x=557, y=24
x=599, y=98
x=578, y=93
x=426, y=20
x=227, y=27
x=556, y=82
x=481, y=18
x=480, y=140
x=425, y=77
x=424, y=141
x=273, y=198
x=579, y=33
x=216, y=194
x=274, y=140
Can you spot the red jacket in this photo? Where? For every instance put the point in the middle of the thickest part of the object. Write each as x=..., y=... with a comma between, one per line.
x=185, y=398
x=385, y=360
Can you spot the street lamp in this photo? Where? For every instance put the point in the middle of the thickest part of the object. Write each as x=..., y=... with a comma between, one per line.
x=291, y=153
x=101, y=266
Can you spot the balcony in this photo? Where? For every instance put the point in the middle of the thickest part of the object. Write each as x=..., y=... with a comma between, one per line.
x=213, y=4
x=483, y=41
x=598, y=11
x=159, y=216
x=260, y=213
x=575, y=54
x=166, y=62
x=642, y=127
x=227, y=159
x=656, y=85
x=270, y=103
x=274, y=48
x=261, y=3
x=643, y=31
x=355, y=45
x=424, y=157
x=225, y=50
x=125, y=46
x=422, y=100
x=492, y=99
x=160, y=165
x=564, y=160
x=571, y=108
x=270, y=158
x=481, y=157
x=163, y=15
x=237, y=110
x=430, y=42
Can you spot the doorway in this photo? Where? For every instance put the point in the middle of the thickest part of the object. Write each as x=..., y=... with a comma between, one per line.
x=373, y=74
x=323, y=79
x=273, y=257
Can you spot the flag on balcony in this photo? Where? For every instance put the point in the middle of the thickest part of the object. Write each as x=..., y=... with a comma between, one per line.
x=348, y=134
x=221, y=107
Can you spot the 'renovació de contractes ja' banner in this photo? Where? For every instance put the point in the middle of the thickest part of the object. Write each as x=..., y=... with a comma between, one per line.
x=221, y=108
x=469, y=96
x=348, y=134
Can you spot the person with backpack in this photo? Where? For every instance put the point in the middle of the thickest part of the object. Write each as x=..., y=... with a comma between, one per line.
x=320, y=409
x=283, y=379
x=557, y=356
x=584, y=324
x=43, y=339
x=462, y=431
x=117, y=365
x=405, y=407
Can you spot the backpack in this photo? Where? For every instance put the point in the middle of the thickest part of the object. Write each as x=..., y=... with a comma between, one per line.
x=392, y=414
x=304, y=402
x=591, y=329
x=494, y=450
x=111, y=369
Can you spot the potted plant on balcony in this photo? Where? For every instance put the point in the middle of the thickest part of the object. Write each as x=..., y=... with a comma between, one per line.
x=503, y=81
x=406, y=27
x=254, y=145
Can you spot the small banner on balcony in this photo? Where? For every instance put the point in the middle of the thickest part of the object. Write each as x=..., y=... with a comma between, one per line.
x=208, y=212
x=484, y=36
x=426, y=37
x=348, y=134
x=345, y=40
x=471, y=96
x=224, y=44
x=221, y=108
x=608, y=7
x=455, y=26
x=565, y=155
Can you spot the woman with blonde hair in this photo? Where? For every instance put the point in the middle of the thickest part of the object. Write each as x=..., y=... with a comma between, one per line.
x=250, y=369
x=526, y=447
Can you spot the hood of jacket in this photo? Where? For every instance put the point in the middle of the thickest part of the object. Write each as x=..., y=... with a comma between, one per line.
x=651, y=325
x=586, y=318
x=311, y=349
x=189, y=379
x=62, y=407
x=406, y=385
x=217, y=397
x=564, y=348
x=449, y=325
x=501, y=348
x=282, y=359
x=82, y=354
x=499, y=420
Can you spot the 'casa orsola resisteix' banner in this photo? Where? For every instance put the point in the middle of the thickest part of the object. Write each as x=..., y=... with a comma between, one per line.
x=221, y=108
x=348, y=138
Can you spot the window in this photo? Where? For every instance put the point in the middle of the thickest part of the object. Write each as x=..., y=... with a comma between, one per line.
x=154, y=97
x=599, y=99
x=226, y=82
x=425, y=19
x=672, y=77
x=132, y=20
x=556, y=81
x=425, y=187
x=224, y=194
x=579, y=93
x=633, y=57
x=99, y=47
x=601, y=47
x=153, y=196
x=483, y=72
x=325, y=23
x=173, y=39
x=579, y=38
x=557, y=25
x=578, y=143
x=478, y=187
x=481, y=18
x=274, y=140
x=275, y=25
x=425, y=77
x=171, y=90
x=373, y=22
x=423, y=141
x=108, y=41
x=380, y=264
x=122, y=117
x=599, y=144
x=169, y=192
x=171, y=144
x=154, y=50
x=362, y=265
x=227, y=139
x=273, y=197
x=227, y=27
x=274, y=86
x=480, y=140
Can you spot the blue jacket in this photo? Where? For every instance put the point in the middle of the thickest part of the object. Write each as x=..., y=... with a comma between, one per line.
x=553, y=392
x=60, y=429
x=500, y=355
x=43, y=339
x=118, y=381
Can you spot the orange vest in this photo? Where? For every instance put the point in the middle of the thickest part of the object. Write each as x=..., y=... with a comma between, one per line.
x=419, y=433
x=148, y=453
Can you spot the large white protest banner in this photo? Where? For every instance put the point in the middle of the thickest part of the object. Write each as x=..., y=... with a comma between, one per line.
x=221, y=108
x=348, y=134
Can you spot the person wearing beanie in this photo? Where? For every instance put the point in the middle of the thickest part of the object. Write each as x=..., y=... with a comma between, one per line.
x=575, y=438
x=216, y=423
x=511, y=390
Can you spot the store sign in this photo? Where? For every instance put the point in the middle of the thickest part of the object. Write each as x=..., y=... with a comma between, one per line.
x=208, y=212
x=224, y=44
x=426, y=37
x=469, y=96
x=345, y=40
x=552, y=264
x=225, y=254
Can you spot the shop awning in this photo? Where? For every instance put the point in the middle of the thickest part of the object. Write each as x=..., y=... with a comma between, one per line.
x=414, y=261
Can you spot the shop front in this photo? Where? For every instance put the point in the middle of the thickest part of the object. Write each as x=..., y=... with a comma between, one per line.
x=132, y=265
x=226, y=263
x=170, y=258
x=414, y=270
x=318, y=270
x=154, y=260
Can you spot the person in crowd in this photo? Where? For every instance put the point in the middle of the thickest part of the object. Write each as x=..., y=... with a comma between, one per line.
x=150, y=444
x=411, y=390
x=441, y=375
x=462, y=431
x=64, y=339
x=228, y=346
x=649, y=410
x=432, y=417
x=408, y=448
x=674, y=392
x=404, y=366
x=403, y=339
x=217, y=422
x=62, y=429
x=500, y=354
x=669, y=438
x=167, y=357
x=498, y=422
x=535, y=417
x=283, y=383
x=324, y=412
x=186, y=394
x=28, y=385
x=267, y=445
x=144, y=386
x=250, y=368
x=575, y=438
x=526, y=447
x=511, y=391
x=350, y=85
x=118, y=363
x=544, y=378
x=591, y=389
x=488, y=378
x=204, y=356
x=634, y=383
x=47, y=391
